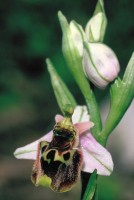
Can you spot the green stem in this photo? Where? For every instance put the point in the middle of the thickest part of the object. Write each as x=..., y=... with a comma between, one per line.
x=92, y=107
x=74, y=62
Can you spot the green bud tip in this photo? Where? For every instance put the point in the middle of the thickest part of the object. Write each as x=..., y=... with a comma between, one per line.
x=63, y=21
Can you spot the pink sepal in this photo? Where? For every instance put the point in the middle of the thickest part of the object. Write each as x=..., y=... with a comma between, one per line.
x=95, y=156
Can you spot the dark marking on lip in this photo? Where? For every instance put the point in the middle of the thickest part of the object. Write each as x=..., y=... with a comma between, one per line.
x=66, y=156
x=51, y=155
x=43, y=149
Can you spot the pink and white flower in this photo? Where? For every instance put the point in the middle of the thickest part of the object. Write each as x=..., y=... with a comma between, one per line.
x=95, y=156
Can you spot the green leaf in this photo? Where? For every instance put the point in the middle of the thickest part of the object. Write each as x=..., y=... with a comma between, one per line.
x=122, y=94
x=91, y=187
x=62, y=93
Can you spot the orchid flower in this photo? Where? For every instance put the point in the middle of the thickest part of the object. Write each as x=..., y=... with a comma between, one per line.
x=90, y=154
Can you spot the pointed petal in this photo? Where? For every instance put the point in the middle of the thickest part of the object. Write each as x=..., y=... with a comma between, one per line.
x=29, y=151
x=58, y=118
x=83, y=126
x=95, y=156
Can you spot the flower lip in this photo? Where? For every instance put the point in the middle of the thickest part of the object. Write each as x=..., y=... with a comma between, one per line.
x=60, y=142
x=66, y=147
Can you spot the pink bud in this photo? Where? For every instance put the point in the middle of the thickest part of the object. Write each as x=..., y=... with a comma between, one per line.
x=100, y=64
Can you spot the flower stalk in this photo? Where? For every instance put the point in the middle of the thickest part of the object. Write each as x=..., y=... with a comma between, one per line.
x=74, y=62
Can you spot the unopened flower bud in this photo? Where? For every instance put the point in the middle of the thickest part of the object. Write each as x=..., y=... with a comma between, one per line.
x=100, y=64
x=96, y=26
x=73, y=36
x=78, y=36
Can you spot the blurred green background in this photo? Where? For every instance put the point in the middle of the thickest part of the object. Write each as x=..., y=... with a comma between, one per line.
x=30, y=33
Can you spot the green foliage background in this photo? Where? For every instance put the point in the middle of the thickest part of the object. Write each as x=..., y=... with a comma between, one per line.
x=30, y=32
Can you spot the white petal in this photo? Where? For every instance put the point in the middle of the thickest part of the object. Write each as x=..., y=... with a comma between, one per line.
x=95, y=156
x=80, y=114
x=29, y=151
